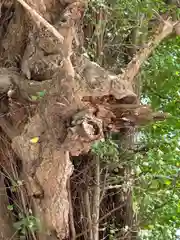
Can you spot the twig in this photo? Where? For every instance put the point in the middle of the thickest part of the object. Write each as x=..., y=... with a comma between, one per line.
x=42, y=20
x=159, y=16
x=102, y=218
x=71, y=217
x=83, y=214
x=87, y=206
x=113, y=187
x=96, y=200
x=104, y=186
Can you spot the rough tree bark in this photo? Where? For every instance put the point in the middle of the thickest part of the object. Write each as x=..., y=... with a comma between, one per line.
x=82, y=99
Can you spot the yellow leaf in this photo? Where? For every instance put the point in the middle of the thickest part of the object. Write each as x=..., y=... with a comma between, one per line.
x=34, y=140
x=150, y=227
x=167, y=182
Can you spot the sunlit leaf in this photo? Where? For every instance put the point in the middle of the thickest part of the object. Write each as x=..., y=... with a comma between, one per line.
x=34, y=140
x=34, y=98
x=167, y=182
x=10, y=207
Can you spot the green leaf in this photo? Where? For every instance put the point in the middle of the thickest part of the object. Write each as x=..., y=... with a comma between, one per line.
x=154, y=184
x=167, y=182
x=150, y=227
x=42, y=93
x=34, y=98
x=23, y=231
x=14, y=188
x=18, y=225
x=10, y=207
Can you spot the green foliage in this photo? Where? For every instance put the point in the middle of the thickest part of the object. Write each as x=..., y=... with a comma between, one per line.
x=10, y=207
x=107, y=151
x=15, y=185
x=158, y=168
x=112, y=232
x=39, y=96
x=109, y=27
x=157, y=187
x=26, y=224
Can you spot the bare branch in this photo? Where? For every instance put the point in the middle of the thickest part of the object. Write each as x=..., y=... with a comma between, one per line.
x=104, y=185
x=102, y=218
x=41, y=20
x=88, y=212
x=113, y=187
x=71, y=217
x=96, y=200
x=134, y=66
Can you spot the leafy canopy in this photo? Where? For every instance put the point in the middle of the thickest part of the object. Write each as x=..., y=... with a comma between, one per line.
x=159, y=169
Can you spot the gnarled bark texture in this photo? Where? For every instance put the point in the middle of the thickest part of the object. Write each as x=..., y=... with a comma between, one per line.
x=82, y=100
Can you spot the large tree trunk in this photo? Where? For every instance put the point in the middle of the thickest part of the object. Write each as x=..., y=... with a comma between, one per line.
x=82, y=100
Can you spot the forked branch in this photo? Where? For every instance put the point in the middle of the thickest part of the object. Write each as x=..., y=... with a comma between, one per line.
x=136, y=63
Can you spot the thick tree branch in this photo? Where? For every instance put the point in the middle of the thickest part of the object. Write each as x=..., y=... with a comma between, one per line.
x=134, y=66
x=41, y=20
x=98, y=82
x=27, y=88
